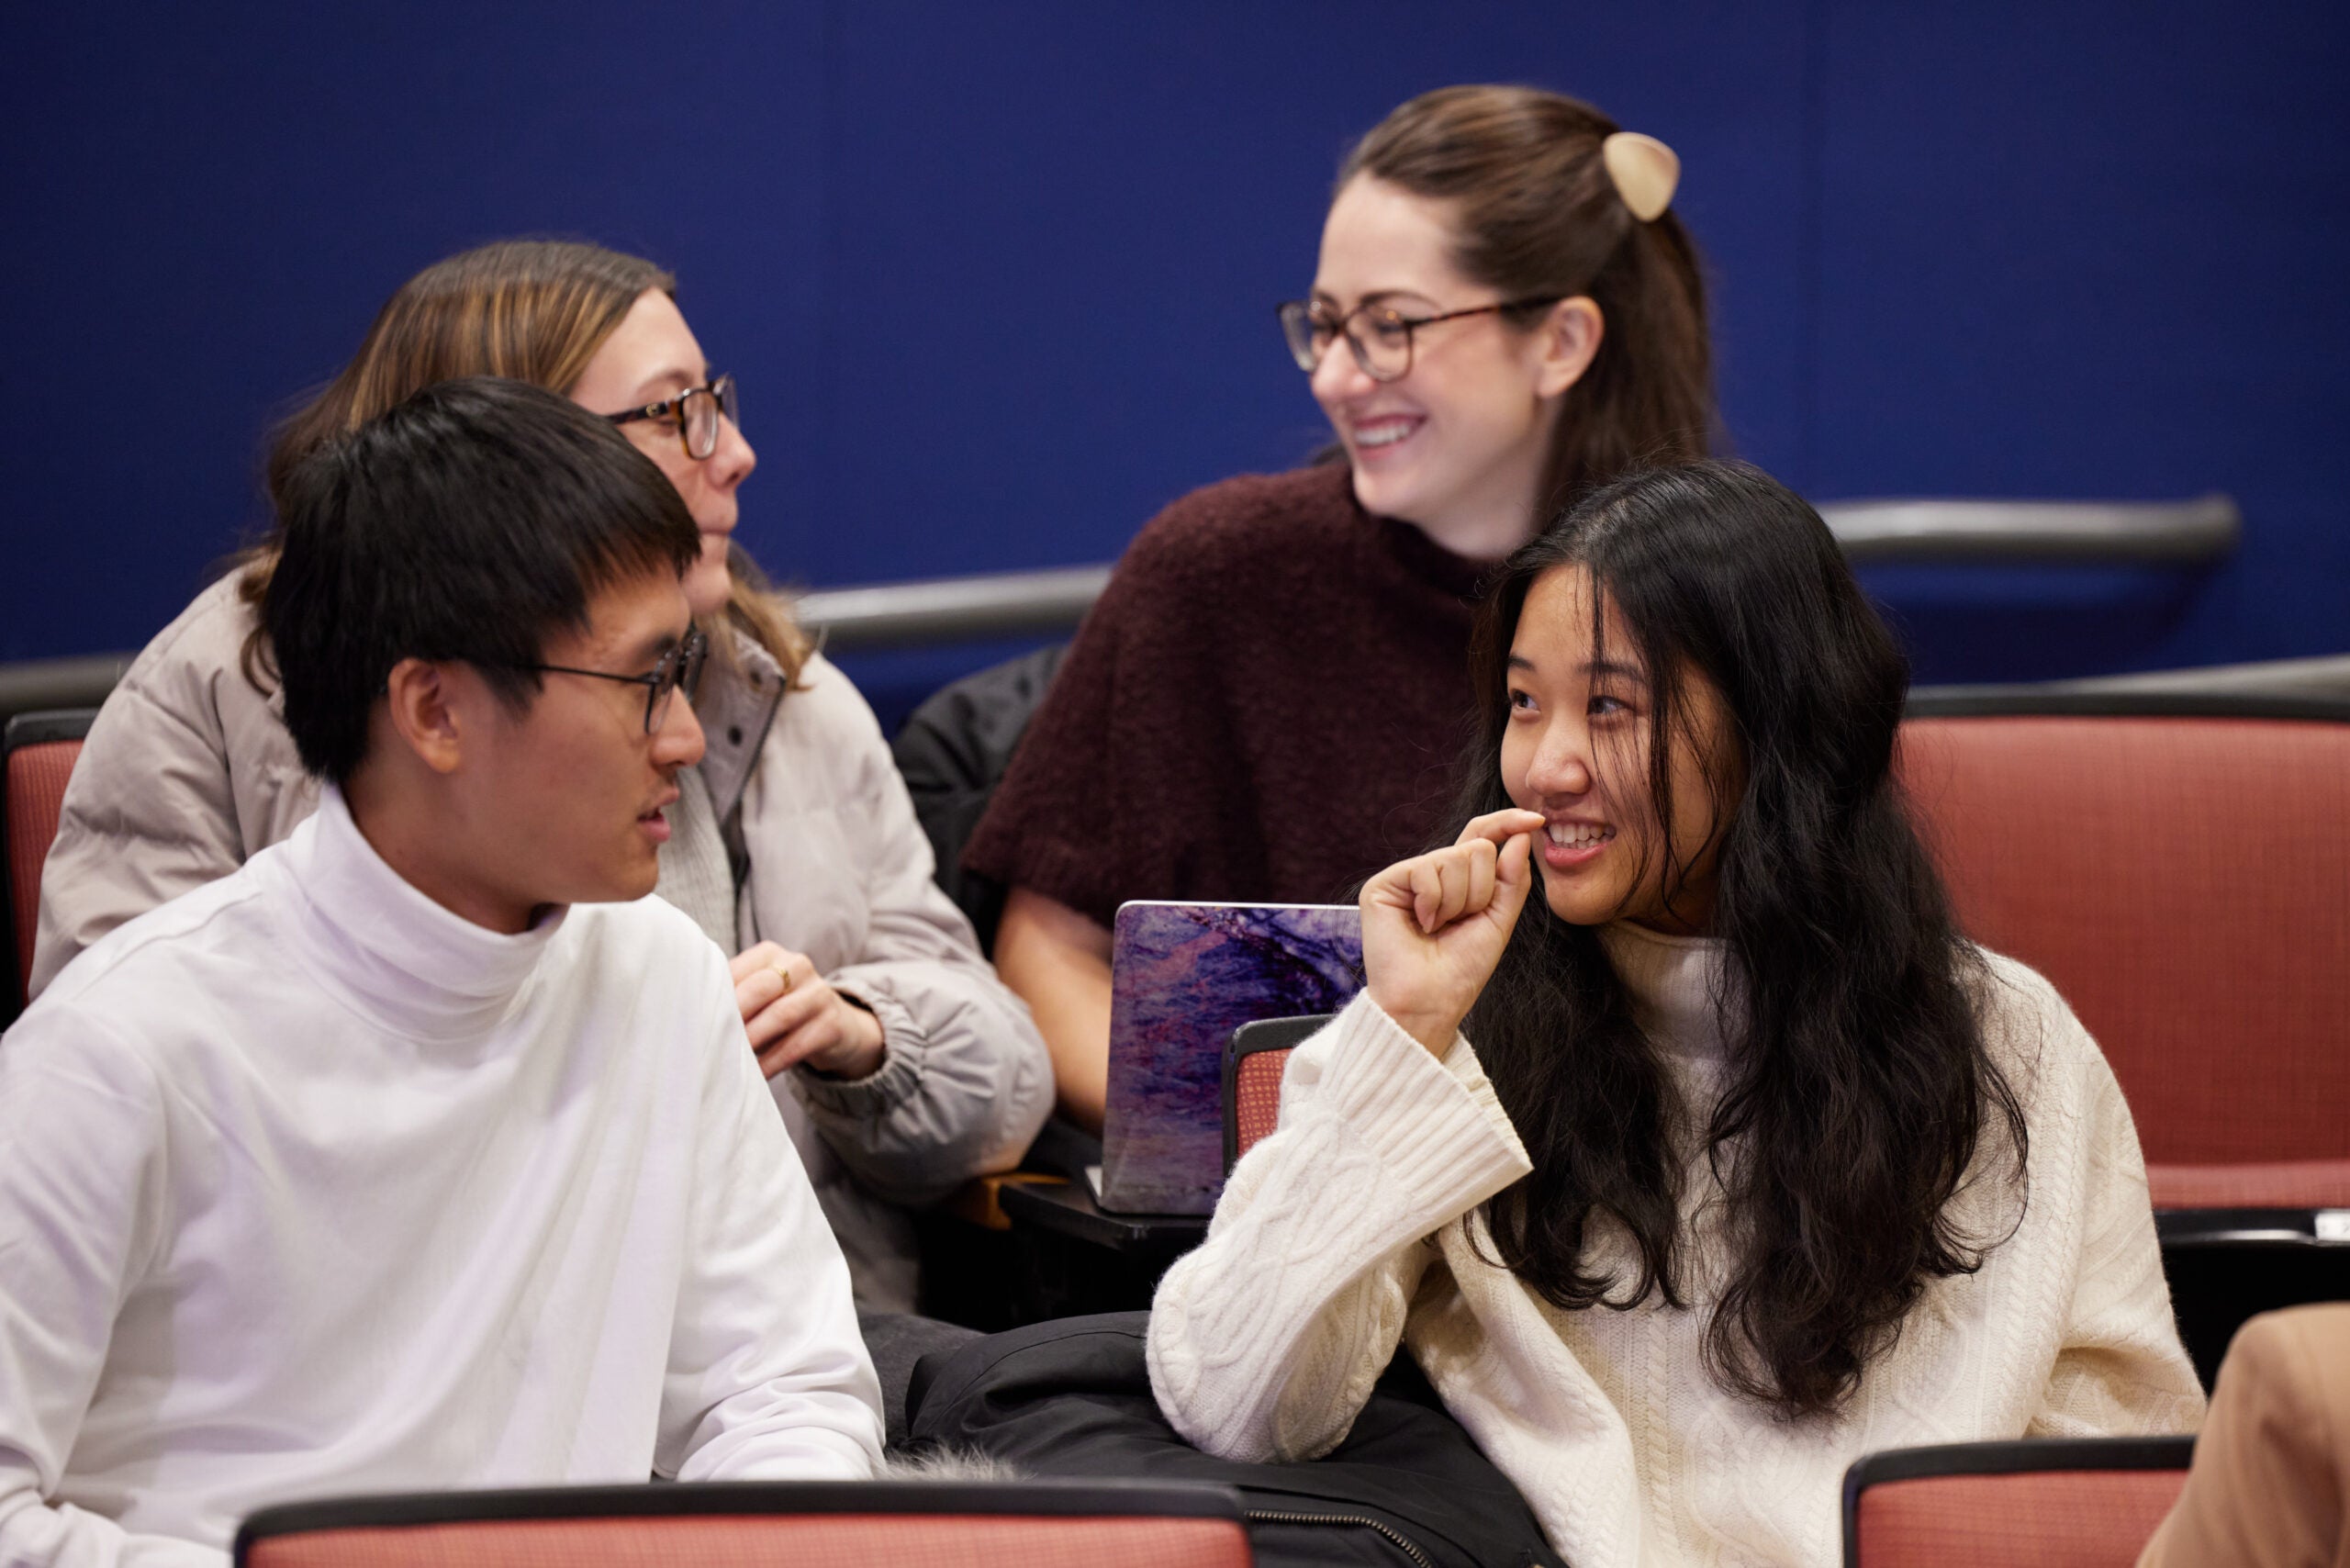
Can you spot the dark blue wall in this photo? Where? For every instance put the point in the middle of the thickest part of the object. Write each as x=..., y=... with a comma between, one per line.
x=997, y=279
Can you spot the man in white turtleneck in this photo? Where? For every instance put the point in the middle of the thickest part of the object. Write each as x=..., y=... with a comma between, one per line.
x=425, y=1151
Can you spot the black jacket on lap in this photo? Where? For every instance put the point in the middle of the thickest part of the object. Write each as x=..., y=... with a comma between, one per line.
x=1406, y=1489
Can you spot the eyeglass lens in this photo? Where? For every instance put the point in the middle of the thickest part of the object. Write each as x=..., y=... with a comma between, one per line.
x=1306, y=338
x=701, y=414
x=679, y=667
x=1379, y=339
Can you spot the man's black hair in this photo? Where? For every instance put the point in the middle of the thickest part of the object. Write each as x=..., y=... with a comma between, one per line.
x=470, y=523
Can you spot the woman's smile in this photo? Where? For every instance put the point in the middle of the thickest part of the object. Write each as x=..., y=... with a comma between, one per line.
x=1570, y=844
x=1375, y=436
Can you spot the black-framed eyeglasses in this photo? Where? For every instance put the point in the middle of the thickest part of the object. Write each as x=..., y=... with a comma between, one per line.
x=681, y=667
x=1380, y=336
x=697, y=411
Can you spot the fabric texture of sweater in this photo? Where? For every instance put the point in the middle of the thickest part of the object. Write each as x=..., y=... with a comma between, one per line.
x=1352, y=1227
x=315, y=1187
x=1265, y=705
x=190, y=770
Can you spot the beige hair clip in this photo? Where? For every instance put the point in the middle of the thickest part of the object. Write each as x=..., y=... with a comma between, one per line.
x=1645, y=170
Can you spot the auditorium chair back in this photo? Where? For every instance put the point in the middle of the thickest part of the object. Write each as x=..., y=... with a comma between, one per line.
x=2180, y=870
x=40, y=750
x=1254, y=1061
x=1027, y=1524
x=2078, y=1503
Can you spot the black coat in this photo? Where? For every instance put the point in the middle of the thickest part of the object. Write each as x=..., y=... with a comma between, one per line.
x=1408, y=1488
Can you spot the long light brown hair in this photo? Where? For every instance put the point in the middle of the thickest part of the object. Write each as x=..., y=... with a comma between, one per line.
x=533, y=310
x=1537, y=215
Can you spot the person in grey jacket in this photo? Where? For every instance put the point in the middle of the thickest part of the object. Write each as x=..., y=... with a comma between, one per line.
x=902, y=1066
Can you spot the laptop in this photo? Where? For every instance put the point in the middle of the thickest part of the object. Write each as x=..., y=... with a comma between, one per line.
x=1182, y=977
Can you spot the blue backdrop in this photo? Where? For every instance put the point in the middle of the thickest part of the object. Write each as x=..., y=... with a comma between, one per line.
x=997, y=279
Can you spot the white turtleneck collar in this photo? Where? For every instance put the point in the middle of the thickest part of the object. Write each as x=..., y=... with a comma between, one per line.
x=388, y=950
x=1677, y=984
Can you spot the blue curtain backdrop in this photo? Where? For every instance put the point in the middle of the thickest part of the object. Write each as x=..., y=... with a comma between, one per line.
x=997, y=279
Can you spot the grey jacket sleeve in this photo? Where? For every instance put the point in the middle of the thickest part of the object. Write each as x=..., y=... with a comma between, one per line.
x=188, y=770
x=841, y=870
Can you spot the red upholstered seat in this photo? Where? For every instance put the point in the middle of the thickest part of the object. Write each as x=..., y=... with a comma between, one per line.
x=2185, y=882
x=804, y=1525
x=809, y=1540
x=40, y=758
x=2072, y=1519
x=1253, y=1061
x=1256, y=1096
x=2089, y=1504
x=2280, y=1184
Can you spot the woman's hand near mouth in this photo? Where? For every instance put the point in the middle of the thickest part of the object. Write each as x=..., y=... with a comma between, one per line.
x=1434, y=927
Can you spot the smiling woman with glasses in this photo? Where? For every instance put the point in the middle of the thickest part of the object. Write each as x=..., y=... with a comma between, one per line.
x=1506, y=310
x=900, y=1063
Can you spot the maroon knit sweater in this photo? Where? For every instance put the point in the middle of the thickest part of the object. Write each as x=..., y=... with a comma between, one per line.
x=1266, y=705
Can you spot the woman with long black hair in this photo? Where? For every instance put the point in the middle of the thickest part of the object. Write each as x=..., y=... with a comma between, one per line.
x=1755, y=1164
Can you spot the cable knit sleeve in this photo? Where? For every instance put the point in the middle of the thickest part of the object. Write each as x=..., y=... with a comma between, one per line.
x=2120, y=1367
x=1265, y=1342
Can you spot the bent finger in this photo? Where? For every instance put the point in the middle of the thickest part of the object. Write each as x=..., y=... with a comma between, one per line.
x=1496, y=827
x=1513, y=876
x=751, y=960
x=1428, y=893
x=1452, y=868
x=797, y=1044
x=782, y=1015
x=1481, y=856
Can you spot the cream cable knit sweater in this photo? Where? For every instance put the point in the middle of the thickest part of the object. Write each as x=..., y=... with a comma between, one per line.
x=1335, y=1238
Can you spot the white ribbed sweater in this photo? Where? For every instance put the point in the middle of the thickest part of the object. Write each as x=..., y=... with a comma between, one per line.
x=1335, y=1238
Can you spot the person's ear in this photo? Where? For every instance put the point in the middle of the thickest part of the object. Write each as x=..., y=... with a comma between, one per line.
x=1565, y=344
x=424, y=713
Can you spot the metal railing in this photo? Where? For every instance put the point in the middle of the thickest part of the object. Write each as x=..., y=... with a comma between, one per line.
x=958, y=610
x=2091, y=532
x=951, y=609
x=31, y=686
x=938, y=612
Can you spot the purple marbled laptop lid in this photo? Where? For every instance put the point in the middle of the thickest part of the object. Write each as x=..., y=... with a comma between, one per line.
x=1183, y=976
